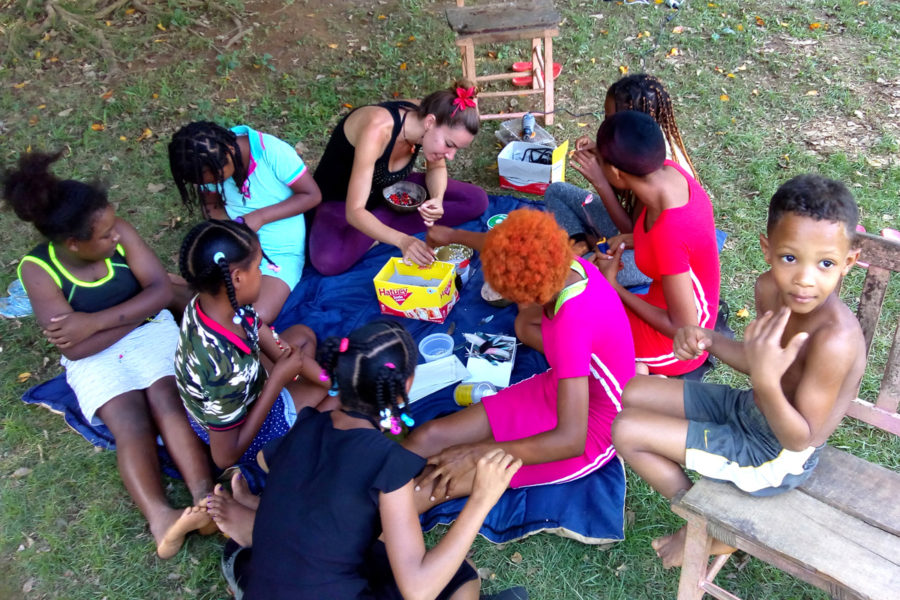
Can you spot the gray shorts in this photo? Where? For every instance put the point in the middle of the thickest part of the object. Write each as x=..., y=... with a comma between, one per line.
x=729, y=439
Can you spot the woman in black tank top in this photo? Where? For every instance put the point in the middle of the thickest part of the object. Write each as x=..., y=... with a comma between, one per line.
x=376, y=146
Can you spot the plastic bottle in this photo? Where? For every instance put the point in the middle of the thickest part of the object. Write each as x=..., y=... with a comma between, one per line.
x=528, y=126
x=602, y=245
x=472, y=393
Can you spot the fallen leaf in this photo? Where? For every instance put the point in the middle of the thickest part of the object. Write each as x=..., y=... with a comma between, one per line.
x=155, y=188
x=154, y=96
x=402, y=66
x=42, y=106
x=412, y=38
x=145, y=135
x=623, y=69
x=21, y=472
x=33, y=120
x=346, y=105
x=230, y=100
x=673, y=52
x=98, y=126
x=37, y=53
x=23, y=377
x=381, y=17
x=332, y=46
x=740, y=27
x=724, y=98
x=743, y=313
x=123, y=138
x=678, y=29
x=107, y=95
x=812, y=93
x=760, y=22
x=581, y=124
x=19, y=86
x=160, y=27
x=815, y=25
x=129, y=11
x=516, y=558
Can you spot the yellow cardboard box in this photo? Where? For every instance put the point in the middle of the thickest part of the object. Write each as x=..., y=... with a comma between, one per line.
x=423, y=293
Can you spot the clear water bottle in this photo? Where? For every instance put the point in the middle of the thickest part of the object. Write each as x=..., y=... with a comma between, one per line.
x=472, y=393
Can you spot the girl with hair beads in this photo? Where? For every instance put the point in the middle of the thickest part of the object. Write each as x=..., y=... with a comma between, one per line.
x=376, y=146
x=236, y=402
x=617, y=210
x=252, y=178
x=558, y=422
x=99, y=294
x=336, y=484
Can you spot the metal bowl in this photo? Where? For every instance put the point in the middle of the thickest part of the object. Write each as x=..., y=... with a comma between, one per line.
x=453, y=253
x=489, y=295
x=416, y=193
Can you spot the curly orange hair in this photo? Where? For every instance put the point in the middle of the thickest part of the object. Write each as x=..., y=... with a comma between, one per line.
x=526, y=257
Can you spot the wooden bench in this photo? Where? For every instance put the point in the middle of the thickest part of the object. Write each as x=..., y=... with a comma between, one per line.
x=839, y=531
x=535, y=20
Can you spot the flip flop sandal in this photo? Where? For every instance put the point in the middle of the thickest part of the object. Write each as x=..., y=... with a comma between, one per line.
x=525, y=80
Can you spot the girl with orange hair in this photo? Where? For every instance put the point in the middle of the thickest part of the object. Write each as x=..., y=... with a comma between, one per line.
x=557, y=422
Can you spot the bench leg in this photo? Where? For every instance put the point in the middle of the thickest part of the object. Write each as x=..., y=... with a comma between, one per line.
x=697, y=544
x=468, y=60
x=548, y=80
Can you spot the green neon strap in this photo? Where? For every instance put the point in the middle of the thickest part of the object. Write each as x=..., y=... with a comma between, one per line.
x=88, y=284
x=573, y=290
x=42, y=265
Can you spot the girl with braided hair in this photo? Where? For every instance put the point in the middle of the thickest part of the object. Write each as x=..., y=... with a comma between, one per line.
x=241, y=383
x=336, y=484
x=616, y=211
x=252, y=178
x=376, y=146
x=99, y=295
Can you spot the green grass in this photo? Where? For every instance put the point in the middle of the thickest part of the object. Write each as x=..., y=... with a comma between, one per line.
x=69, y=530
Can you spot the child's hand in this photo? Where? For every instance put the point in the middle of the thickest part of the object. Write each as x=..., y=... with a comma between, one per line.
x=288, y=365
x=762, y=345
x=610, y=263
x=431, y=210
x=622, y=238
x=585, y=162
x=585, y=142
x=493, y=473
x=690, y=342
x=70, y=329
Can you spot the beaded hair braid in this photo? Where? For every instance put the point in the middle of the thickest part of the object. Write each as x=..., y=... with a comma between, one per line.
x=372, y=370
x=207, y=253
x=199, y=147
x=645, y=93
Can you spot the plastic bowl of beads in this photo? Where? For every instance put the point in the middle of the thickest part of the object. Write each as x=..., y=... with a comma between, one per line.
x=404, y=196
x=435, y=346
x=490, y=295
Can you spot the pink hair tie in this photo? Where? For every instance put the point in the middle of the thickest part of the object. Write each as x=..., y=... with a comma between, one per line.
x=345, y=343
x=390, y=365
x=465, y=98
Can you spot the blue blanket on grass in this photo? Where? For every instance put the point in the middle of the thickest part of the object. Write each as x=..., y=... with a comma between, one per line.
x=590, y=509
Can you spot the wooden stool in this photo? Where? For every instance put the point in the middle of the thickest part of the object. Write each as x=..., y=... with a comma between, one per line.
x=536, y=20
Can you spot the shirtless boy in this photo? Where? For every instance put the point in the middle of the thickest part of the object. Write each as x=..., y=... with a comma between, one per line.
x=805, y=356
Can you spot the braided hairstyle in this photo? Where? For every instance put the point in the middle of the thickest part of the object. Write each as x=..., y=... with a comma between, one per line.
x=58, y=209
x=372, y=370
x=440, y=104
x=646, y=94
x=201, y=147
x=207, y=253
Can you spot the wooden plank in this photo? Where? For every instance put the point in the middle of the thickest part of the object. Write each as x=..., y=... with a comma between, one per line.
x=502, y=16
x=522, y=92
x=696, y=557
x=869, y=413
x=508, y=35
x=889, y=394
x=878, y=250
x=870, y=300
x=804, y=536
x=875, y=490
x=548, y=81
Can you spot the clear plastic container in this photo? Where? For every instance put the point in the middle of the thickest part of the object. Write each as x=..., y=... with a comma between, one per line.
x=435, y=346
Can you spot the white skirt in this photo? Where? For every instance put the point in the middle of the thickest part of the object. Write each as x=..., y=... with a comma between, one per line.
x=144, y=356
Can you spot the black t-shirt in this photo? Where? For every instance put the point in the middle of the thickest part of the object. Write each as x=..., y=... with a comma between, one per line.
x=318, y=516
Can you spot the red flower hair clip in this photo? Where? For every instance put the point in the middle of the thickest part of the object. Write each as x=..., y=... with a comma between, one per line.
x=465, y=98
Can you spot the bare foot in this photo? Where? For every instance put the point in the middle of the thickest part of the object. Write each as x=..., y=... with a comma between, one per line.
x=233, y=518
x=241, y=492
x=671, y=548
x=191, y=519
